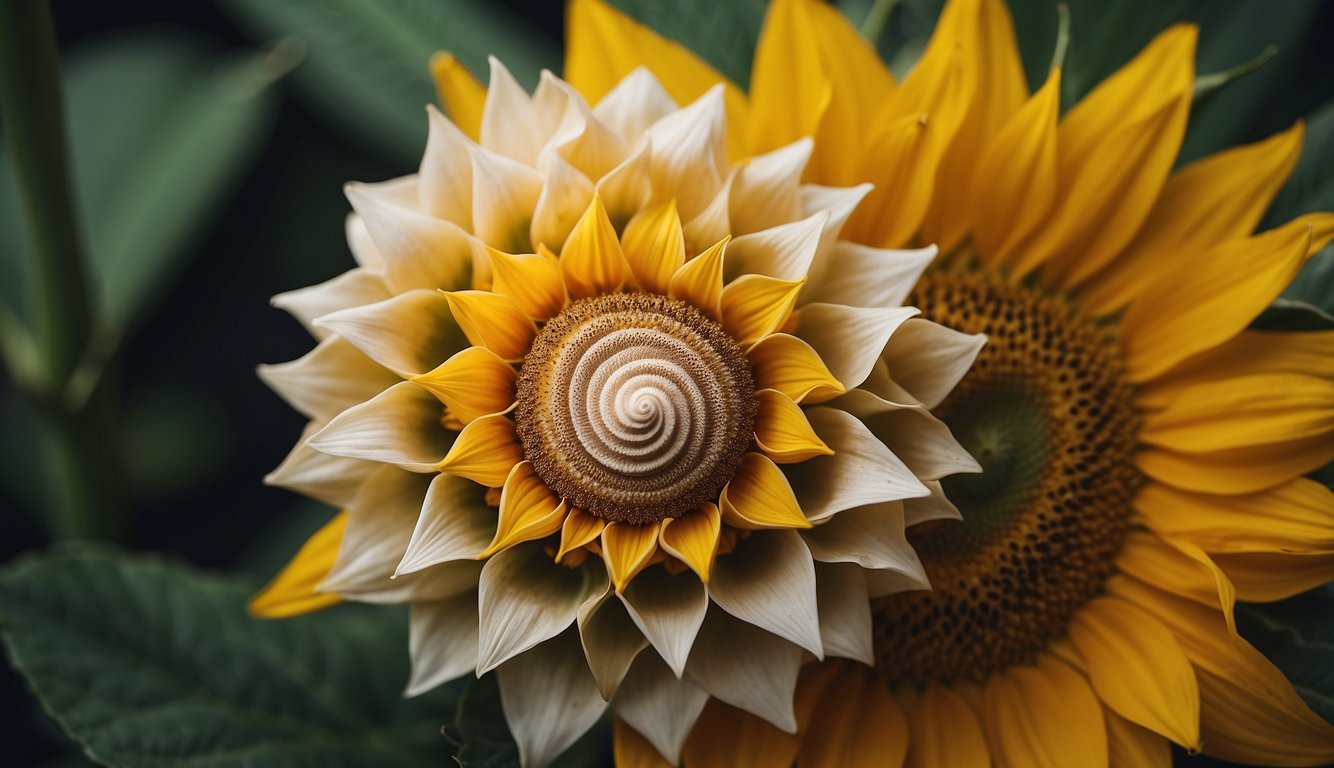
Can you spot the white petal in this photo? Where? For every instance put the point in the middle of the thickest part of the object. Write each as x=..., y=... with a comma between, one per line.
x=504, y=193
x=455, y=524
x=611, y=641
x=928, y=359
x=399, y=426
x=767, y=191
x=626, y=188
x=442, y=641
x=565, y=196
x=871, y=537
x=862, y=276
x=419, y=251
x=636, y=103
x=331, y=479
x=353, y=288
x=784, y=251
x=409, y=334
x=359, y=242
x=327, y=380
x=890, y=582
x=446, y=172
x=862, y=470
x=850, y=339
x=711, y=224
x=587, y=143
x=549, y=698
x=933, y=507
x=525, y=598
x=509, y=123
x=689, y=157
x=769, y=581
x=923, y=442
x=660, y=705
x=747, y=667
x=840, y=202
x=845, y=612
x=668, y=610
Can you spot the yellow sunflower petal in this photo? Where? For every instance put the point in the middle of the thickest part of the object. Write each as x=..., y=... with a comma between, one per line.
x=472, y=383
x=788, y=364
x=1244, y=411
x=700, y=280
x=626, y=549
x=945, y=731
x=727, y=737
x=789, y=89
x=631, y=750
x=858, y=723
x=591, y=260
x=578, y=529
x=492, y=321
x=1138, y=668
x=464, y=98
x=654, y=246
x=292, y=591
x=533, y=282
x=1043, y=716
x=759, y=496
x=1249, y=353
x=1264, y=577
x=1130, y=744
x=1236, y=470
x=693, y=538
x=754, y=306
x=782, y=430
x=528, y=510
x=485, y=451
x=1292, y=517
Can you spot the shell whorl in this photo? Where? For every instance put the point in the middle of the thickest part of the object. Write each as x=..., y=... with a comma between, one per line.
x=635, y=407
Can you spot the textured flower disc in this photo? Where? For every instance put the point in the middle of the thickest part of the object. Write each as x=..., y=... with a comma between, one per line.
x=635, y=407
x=1046, y=412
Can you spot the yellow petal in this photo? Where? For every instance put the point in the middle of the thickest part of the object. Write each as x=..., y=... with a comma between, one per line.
x=857, y=724
x=626, y=549
x=579, y=528
x=472, y=383
x=1292, y=517
x=783, y=362
x=782, y=430
x=1015, y=183
x=945, y=731
x=1236, y=470
x=727, y=737
x=754, y=306
x=292, y=591
x=533, y=283
x=789, y=89
x=591, y=260
x=1130, y=744
x=464, y=98
x=528, y=510
x=1043, y=716
x=759, y=496
x=1191, y=311
x=1138, y=668
x=631, y=750
x=492, y=321
x=485, y=451
x=1264, y=577
x=654, y=246
x=1208, y=202
x=693, y=538
x=1244, y=411
x=700, y=280
x=1249, y=353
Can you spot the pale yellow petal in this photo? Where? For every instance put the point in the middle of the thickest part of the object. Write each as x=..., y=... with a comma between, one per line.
x=591, y=260
x=692, y=538
x=485, y=451
x=759, y=496
x=292, y=591
x=700, y=280
x=654, y=246
x=754, y=306
x=533, y=282
x=472, y=383
x=788, y=364
x=626, y=549
x=464, y=98
x=528, y=510
x=782, y=430
x=492, y=321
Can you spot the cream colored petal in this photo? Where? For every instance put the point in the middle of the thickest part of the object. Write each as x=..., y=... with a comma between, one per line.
x=933, y=507
x=767, y=192
x=524, y=599
x=333, y=480
x=668, y=610
x=862, y=470
x=566, y=193
x=329, y=379
x=446, y=172
x=635, y=104
x=689, y=158
x=660, y=705
x=923, y=442
x=611, y=641
x=504, y=194
x=713, y=223
x=784, y=251
x=626, y=189
x=845, y=613
x=872, y=537
x=419, y=251
x=769, y=581
x=442, y=641
x=364, y=252
x=400, y=426
x=747, y=667
x=409, y=334
x=862, y=276
x=929, y=359
x=509, y=124
x=549, y=698
x=840, y=202
x=353, y=288
x=850, y=339
x=455, y=524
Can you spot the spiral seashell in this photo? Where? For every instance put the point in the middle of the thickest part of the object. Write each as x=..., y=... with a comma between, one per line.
x=635, y=407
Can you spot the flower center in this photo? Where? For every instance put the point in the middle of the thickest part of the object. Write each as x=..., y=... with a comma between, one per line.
x=1048, y=415
x=635, y=407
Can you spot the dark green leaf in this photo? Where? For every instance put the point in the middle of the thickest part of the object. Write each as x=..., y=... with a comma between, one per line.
x=1311, y=188
x=148, y=663
x=1298, y=636
x=721, y=33
x=1285, y=315
x=367, y=63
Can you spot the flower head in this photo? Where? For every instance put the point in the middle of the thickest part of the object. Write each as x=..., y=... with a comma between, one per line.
x=622, y=420
x=1143, y=448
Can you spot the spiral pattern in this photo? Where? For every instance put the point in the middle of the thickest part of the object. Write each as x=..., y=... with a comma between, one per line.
x=635, y=407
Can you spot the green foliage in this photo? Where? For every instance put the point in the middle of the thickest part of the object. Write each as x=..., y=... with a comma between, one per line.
x=151, y=664
x=722, y=33
x=366, y=63
x=1297, y=635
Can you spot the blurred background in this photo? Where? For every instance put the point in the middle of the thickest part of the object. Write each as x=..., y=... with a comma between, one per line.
x=209, y=144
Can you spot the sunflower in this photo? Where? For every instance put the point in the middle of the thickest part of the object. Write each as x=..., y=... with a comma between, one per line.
x=598, y=404
x=1143, y=448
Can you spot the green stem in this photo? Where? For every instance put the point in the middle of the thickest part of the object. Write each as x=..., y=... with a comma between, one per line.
x=873, y=26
